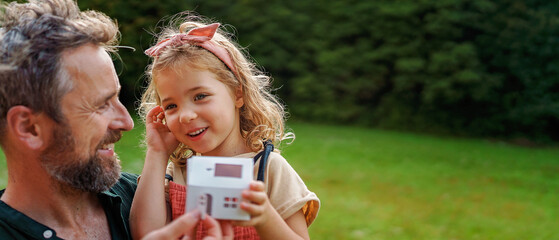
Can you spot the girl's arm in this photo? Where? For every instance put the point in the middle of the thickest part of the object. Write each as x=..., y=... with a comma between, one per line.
x=148, y=210
x=266, y=219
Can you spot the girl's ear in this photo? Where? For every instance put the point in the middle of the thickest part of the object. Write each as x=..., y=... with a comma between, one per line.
x=27, y=127
x=239, y=101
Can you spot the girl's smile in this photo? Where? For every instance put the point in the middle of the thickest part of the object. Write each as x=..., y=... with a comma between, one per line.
x=196, y=135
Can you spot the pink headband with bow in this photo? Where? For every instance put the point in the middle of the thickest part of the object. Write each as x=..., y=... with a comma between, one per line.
x=199, y=36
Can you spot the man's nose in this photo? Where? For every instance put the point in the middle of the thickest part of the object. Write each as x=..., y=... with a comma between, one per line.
x=122, y=120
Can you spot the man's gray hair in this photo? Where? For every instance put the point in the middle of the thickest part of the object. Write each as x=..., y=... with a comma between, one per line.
x=32, y=37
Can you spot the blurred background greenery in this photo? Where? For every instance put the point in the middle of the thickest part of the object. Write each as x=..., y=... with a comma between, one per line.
x=455, y=67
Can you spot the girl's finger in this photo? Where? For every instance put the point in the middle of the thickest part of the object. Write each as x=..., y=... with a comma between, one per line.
x=161, y=115
x=152, y=114
x=257, y=186
x=255, y=197
x=252, y=209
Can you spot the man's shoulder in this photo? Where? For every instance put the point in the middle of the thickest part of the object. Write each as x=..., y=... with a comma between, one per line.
x=8, y=231
x=16, y=225
x=128, y=178
x=126, y=185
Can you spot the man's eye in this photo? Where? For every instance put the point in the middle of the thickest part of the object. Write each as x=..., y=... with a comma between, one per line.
x=200, y=97
x=104, y=106
x=170, y=106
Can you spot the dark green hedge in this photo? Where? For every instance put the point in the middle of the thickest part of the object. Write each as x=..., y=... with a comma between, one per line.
x=464, y=67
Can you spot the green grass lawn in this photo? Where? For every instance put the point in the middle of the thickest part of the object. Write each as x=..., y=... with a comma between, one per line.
x=376, y=184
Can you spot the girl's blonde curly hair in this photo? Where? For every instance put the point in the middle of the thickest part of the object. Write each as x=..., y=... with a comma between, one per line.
x=262, y=117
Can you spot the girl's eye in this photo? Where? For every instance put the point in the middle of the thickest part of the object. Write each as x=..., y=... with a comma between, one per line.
x=200, y=96
x=170, y=106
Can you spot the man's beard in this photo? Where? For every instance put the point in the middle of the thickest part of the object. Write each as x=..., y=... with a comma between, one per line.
x=89, y=173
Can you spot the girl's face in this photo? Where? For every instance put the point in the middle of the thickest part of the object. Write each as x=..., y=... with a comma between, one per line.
x=201, y=111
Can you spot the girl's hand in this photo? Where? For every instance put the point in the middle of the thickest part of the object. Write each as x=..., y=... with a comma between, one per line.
x=158, y=136
x=266, y=219
x=256, y=204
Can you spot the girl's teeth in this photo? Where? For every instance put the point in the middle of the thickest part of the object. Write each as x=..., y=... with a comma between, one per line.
x=197, y=132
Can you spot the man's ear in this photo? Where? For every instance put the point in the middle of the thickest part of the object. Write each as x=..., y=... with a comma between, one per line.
x=239, y=101
x=27, y=127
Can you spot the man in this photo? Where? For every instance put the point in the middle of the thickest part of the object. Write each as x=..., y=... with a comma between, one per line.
x=59, y=119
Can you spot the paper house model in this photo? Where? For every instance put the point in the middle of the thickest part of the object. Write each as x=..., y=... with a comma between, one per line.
x=215, y=185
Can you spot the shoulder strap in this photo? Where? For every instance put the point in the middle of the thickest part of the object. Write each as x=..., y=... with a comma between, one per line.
x=168, y=177
x=263, y=156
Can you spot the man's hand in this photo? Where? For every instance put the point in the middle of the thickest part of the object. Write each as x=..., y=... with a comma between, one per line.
x=185, y=226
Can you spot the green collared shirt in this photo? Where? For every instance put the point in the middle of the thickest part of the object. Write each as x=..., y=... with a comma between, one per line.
x=116, y=202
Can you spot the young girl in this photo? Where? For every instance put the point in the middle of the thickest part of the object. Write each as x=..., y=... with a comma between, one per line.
x=206, y=98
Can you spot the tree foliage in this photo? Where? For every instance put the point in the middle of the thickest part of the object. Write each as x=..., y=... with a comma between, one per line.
x=476, y=67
